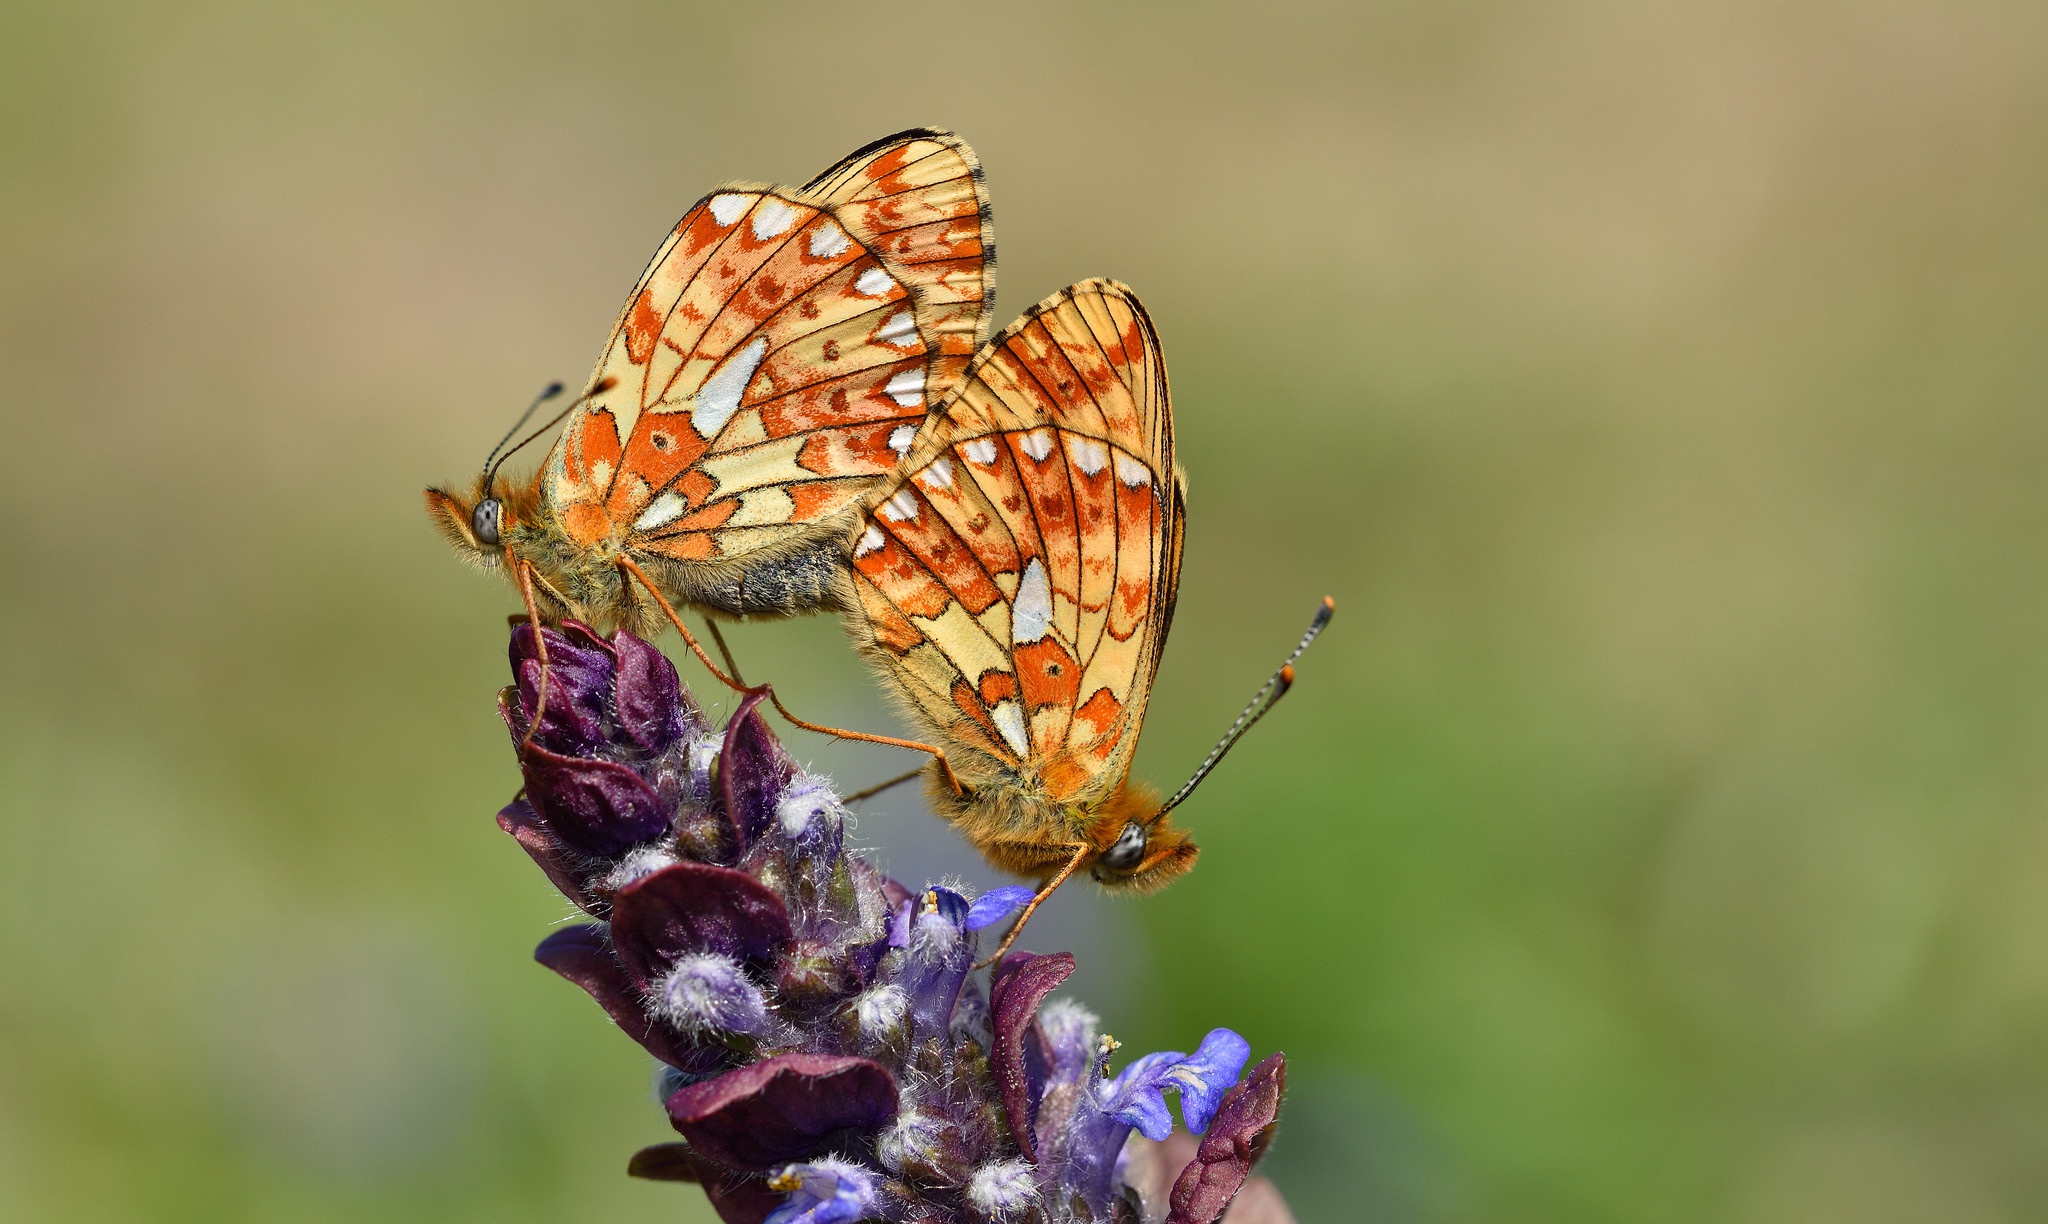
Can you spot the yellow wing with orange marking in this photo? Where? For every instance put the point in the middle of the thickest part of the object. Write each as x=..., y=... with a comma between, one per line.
x=917, y=199
x=770, y=368
x=1016, y=586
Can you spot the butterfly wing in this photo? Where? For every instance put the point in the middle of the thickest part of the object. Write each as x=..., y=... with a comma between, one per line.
x=1017, y=583
x=770, y=368
x=918, y=199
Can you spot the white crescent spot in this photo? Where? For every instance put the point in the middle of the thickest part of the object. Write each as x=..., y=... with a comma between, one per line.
x=828, y=241
x=726, y=209
x=1088, y=455
x=664, y=509
x=870, y=540
x=901, y=437
x=873, y=283
x=1131, y=472
x=900, y=330
x=1031, y=611
x=1037, y=444
x=719, y=397
x=1009, y=719
x=981, y=451
x=772, y=218
x=939, y=475
x=907, y=388
x=901, y=508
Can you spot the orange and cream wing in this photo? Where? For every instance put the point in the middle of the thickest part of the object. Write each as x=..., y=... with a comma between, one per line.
x=770, y=368
x=1018, y=583
x=917, y=199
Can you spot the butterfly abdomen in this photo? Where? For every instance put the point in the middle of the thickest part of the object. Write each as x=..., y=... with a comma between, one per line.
x=791, y=579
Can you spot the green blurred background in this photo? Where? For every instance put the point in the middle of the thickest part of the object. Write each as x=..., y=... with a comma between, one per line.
x=1660, y=833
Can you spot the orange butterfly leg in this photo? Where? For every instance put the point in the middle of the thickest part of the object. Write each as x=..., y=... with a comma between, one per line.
x=540, y=642
x=1073, y=865
x=690, y=640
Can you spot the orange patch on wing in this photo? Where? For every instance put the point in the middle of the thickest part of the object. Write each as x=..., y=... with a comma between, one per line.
x=1138, y=551
x=997, y=687
x=862, y=451
x=817, y=498
x=1047, y=674
x=1099, y=713
x=702, y=230
x=1045, y=484
x=586, y=523
x=1039, y=353
x=896, y=573
x=643, y=328
x=1013, y=360
x=890, y=627
x=595, y=444
x=887, y=164
x=695, y=486
x=1132, y=341
x=1095, y=507
x=964, y=700
x=945, y=555
x=663, y=445
x=854, y=399
x=694, y=546
x=713, y=515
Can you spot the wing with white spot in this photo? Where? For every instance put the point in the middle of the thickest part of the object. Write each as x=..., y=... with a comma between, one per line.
x=768, y=371
x=917, y=198
x=1016, y=586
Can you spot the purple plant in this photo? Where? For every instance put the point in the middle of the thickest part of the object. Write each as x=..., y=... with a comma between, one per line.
x=825, y=1052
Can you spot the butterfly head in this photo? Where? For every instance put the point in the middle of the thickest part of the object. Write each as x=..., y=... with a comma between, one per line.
x=479, y=522
x=1137, y=846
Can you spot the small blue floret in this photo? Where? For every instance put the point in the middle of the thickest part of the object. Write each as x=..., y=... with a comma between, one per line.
x=1207, y=1074
x=997, y=904
x=826, y=1192
x=1135, y=1097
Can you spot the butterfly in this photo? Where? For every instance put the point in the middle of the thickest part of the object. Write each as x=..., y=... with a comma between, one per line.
x=768, y=371
x=1013, y=585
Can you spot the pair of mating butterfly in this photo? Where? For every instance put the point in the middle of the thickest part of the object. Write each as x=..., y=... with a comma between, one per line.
x=797, y=412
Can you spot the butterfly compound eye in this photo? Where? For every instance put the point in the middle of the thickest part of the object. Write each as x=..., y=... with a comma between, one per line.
x=484, y=520
x=1128, y=851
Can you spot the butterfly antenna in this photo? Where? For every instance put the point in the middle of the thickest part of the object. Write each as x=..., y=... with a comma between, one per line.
x=497, y=460
x=1265, y=699
x=490, y=461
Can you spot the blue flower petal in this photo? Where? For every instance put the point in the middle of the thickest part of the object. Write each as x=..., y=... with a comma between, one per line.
x=997, y=904
x=1134, y=1096
x=1207, y=1074
x=826, y=1192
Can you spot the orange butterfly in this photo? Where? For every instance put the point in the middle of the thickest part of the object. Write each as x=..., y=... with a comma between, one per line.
x=1014, y=586
x=768, y=372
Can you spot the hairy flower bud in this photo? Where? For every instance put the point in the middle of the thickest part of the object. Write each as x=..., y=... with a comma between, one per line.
x=826, y=1055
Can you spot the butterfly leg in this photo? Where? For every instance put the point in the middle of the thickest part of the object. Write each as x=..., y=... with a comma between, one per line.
x=1073, y=864
x=690, y=640
x=879, y=787
x=540, y=641
x=724, y=651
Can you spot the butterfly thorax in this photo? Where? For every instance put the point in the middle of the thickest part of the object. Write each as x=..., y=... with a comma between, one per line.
x=570, y=580
x=581, y=582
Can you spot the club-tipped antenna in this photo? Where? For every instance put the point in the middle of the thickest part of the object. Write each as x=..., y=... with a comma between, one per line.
x=1265, y=699
x=490, y=461
x=497, y=460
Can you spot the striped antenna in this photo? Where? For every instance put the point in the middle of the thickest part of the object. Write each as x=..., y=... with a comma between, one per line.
x=1265, y=699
